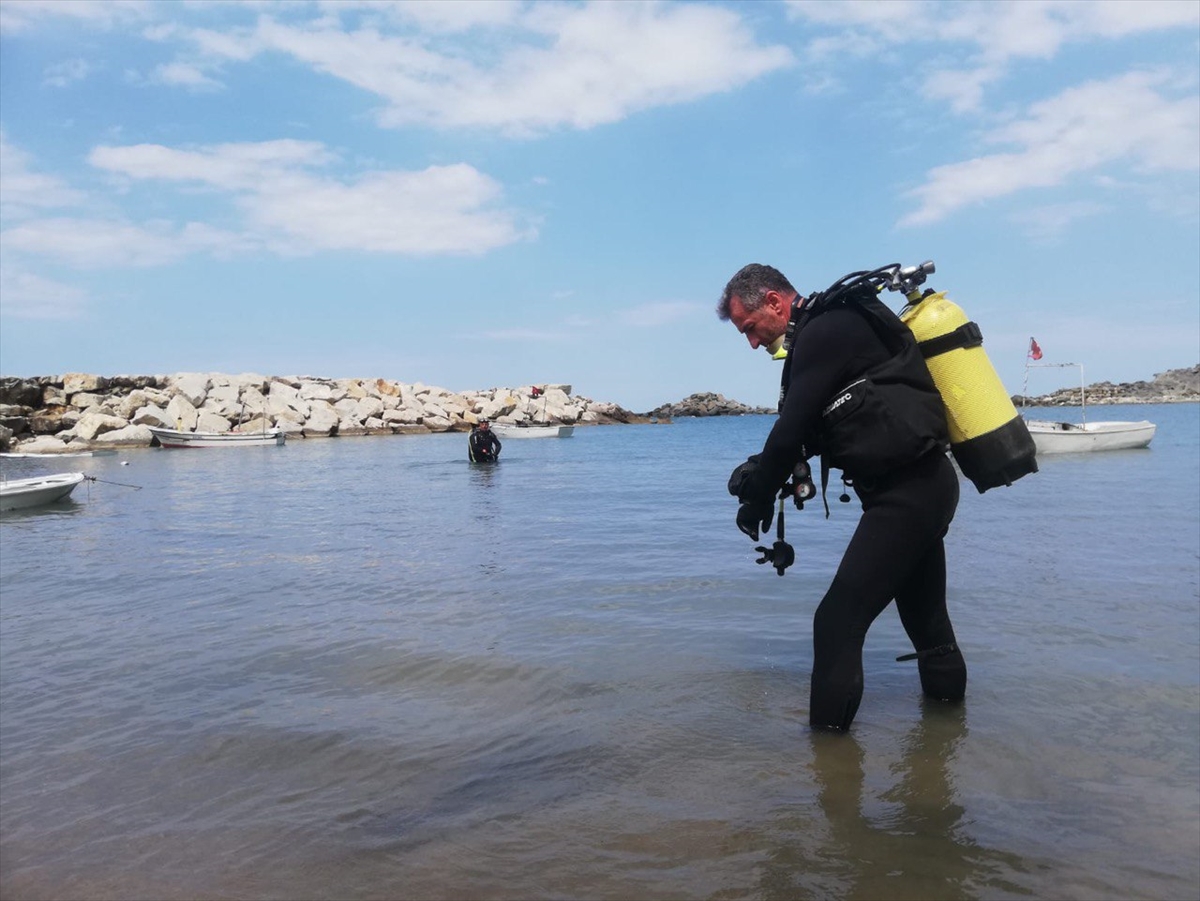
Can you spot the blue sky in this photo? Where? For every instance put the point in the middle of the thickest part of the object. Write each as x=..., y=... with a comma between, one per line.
x=476, y=194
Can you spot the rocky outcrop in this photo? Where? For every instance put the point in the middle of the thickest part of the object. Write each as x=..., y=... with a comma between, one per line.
x=1172, y=387
x=705, y=404
x=76, y=411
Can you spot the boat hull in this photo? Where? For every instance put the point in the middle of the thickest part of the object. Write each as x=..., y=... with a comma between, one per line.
x=19, y=494
x=173, y=439
x=1070, y=437
x=534, y=431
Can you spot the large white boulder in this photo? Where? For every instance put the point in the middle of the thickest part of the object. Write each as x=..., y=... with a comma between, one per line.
x=311, y=391
x=92, y=424
x=224, y=400
x=253, y=426
x=131, y=403
x=207, y=421
x=86, y=400
x=346, y=407
x=181, y=414
x=438, y=423
x=129, y=436
x=322, y=419
x=253, y=399
x=290, y=407
x=152, y=415
x=192, y=385
x=81, y=381
x=368, y=408
x=53, y=396
x=401, y=416
x=43, y=444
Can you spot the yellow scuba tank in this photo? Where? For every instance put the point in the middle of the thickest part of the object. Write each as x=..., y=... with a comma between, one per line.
x=988, y=438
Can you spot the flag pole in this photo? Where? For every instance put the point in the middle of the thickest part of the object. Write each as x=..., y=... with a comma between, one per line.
x=1082, y=396
x=1025, y=384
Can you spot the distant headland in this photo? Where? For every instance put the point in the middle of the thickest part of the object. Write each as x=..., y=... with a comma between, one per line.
x=1175, y=386
x=1171, y=387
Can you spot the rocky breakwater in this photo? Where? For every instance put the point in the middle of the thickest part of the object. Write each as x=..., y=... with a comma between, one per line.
x=76, y=411
x=705, y=404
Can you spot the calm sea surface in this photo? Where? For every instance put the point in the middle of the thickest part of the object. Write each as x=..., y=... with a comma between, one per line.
x=363, y=668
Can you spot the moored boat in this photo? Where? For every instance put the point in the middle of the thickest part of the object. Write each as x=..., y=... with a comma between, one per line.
x=18, y=494
x=534, y=431
x=175, y=438
x=1075, y=437
x=1053, y=437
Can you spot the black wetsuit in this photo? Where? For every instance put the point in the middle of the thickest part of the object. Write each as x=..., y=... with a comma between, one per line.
x=897, y=550
x=483, y=446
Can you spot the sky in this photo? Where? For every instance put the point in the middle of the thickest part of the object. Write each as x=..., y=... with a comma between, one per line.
x=481, y=194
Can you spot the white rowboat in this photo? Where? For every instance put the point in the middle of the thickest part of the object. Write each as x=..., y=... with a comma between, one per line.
x=17, y=494
x=534, y=431
x=173, y=438
x=1075, y=437
x=1051, y=437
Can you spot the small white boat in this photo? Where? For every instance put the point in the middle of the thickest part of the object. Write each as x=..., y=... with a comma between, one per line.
x=1075, y=437
x=55, y=455
x=534, y=431
x=1051, y=437
x=541, y=427
x=17, y=494
x=174, y=438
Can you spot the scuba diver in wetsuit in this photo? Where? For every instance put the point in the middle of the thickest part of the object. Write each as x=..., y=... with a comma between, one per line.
x=482, y=444
x=857, y=392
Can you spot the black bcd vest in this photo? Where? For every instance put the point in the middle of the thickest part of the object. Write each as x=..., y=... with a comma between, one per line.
x=889, y=416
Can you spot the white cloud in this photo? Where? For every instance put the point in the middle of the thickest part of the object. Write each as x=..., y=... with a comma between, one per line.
x=97, y=243
x=24, y=295
x=24, y=191
x=433, y=15
x=1049, y=222
x=1120, y=121
x=183, y=75
x=62, y=74
x=21, y=15
x=234, y=167
x=556, y=65
x=440, y=209
x=993, y=34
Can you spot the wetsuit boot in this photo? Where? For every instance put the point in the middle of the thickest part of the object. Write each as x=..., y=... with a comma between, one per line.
x=944, y=677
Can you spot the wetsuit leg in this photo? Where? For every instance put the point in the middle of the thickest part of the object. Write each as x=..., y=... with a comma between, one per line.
x=893, y=550
x=921, y=603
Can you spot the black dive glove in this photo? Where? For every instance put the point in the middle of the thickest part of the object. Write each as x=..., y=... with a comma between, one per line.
x=755, y=511
x=752, y=514
x=741, y=475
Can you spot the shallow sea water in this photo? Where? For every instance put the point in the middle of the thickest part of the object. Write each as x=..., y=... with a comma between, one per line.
x=364, y=668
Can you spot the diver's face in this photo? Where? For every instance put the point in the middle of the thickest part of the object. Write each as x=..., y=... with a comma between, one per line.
x=764, y=326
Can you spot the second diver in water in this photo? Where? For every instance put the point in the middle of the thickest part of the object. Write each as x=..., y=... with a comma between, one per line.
x=482, y=444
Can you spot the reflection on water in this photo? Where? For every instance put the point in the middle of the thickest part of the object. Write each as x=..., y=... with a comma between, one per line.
x=903, y=839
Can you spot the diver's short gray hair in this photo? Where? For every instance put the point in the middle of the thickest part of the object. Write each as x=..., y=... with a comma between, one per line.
x=750, y=285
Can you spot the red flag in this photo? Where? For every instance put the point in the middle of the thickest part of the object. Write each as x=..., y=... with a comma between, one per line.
x=1035, y=352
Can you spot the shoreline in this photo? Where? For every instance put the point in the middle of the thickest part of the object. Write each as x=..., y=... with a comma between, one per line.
x=77, y=412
